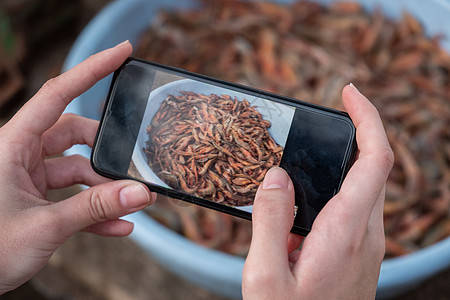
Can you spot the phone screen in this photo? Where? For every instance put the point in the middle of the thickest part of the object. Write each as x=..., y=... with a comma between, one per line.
x=211, y=143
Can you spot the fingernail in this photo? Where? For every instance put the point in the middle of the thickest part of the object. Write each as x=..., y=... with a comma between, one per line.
x=276, y=178
x=354, y=87
x=123, y=43
x=134, y=195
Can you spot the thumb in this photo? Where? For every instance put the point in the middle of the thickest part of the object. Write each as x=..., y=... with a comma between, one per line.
x=272, y=218
x=101, y=203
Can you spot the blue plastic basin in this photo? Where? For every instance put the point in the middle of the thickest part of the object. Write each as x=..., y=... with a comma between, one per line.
x=214, y=270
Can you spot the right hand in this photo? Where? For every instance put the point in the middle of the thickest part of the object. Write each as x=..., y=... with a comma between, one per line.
x=341, y=256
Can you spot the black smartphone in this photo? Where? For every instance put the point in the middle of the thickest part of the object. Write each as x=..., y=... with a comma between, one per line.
x=211, y=142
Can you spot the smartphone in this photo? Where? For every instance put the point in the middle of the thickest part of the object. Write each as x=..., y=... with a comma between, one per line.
x=210, y=142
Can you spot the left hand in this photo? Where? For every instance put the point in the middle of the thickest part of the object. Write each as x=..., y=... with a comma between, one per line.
x=31, y=226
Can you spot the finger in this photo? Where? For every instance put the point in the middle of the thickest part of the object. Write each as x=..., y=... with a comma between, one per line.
x=293, y=258
x=369, y=173
x=69, y=170
x=294, y=242
x=376, y=224
x=44, y=109
x=370, y=132
x=111, y=228
x=272, y=220
x=69, y=130
x=101, y=203
x=375, y=232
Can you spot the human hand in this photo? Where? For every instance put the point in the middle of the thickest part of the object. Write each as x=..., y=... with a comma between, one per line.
x=31, y=226
x=341, y=256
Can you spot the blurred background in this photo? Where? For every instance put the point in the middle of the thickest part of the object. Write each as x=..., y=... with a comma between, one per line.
x=36, y=37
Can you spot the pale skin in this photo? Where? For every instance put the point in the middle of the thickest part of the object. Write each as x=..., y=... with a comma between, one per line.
x=33, y=227
x=340, y=258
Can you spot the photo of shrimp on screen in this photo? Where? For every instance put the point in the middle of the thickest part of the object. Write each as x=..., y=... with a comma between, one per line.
x=208, y=141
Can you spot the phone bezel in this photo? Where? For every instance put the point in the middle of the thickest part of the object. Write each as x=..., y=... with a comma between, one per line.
x=349, y=155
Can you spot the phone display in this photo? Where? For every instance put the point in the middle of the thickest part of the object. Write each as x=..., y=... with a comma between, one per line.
x=211, y=143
